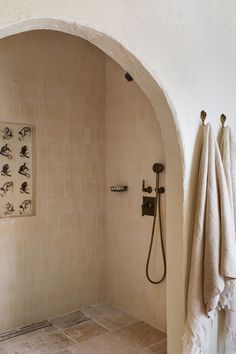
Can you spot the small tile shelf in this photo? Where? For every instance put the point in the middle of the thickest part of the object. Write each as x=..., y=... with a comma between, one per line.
x=16, y=169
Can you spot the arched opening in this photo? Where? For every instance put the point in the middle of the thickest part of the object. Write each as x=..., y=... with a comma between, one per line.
x=174, y=158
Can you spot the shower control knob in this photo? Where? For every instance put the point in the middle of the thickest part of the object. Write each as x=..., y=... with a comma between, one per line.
x=146, y=189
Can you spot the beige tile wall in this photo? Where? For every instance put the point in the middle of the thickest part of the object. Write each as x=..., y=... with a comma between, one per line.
x=52, y=263
x=133, y=144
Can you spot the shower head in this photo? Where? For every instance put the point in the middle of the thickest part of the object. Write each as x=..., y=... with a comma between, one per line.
x=158, y=167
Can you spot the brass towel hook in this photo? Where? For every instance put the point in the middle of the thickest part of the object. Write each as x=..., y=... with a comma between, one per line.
x=203, y=116
x=223, y=119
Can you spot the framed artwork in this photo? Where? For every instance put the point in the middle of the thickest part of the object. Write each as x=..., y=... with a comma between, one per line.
x=16, y=170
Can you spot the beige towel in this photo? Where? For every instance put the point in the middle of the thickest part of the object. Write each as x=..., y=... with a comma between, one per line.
x=228, y=240
x=228, y=153
x=211, y=262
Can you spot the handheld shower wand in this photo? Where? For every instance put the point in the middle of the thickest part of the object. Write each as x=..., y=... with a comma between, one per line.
x=157, y=168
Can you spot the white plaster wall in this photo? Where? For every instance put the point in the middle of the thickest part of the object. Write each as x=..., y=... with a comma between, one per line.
x=189, y=49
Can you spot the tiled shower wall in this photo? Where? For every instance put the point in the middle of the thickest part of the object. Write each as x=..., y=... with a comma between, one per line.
x=133, y=145
x=52, y=263
x=89, y=121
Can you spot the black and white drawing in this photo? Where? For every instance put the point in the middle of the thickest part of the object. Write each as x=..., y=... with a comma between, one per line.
x=24, y=188
x=6, y=170
x=6, y=133
x=24, y=206
x=16, y=170
x=8, y=186
x=24, y=132
x=24, y=170
x=24, y=152
x=6, y=151
x=8, y=209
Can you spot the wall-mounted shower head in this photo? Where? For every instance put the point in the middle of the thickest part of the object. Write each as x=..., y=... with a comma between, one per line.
x=128, y=77
x=158, y=167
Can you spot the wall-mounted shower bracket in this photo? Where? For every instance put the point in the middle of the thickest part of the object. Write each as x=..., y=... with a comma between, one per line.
x=146, y=189
x=161, y=190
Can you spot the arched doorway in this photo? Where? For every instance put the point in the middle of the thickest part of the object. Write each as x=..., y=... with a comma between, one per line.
x=173, y=147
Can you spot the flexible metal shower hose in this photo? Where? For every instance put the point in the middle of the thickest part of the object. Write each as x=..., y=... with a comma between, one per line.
x=157, y=208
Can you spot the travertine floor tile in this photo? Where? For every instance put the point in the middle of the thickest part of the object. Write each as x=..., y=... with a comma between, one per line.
x=91, y=311
x=109, y=316
x=80, y=334
x=40, y=343
x=69, y=320
x=159, y=348
x=85, y=331
x=143, y=334
x=25, y=330
x=66, y=351
x=111, y=343
x=14, y=345
x=50, y=329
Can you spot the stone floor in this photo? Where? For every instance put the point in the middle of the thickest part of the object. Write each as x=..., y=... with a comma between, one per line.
x=101, y=329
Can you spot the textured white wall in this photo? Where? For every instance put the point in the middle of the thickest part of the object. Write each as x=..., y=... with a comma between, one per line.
x=189, y=48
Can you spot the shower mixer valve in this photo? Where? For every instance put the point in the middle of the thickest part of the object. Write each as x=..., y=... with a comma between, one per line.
x=148, y=206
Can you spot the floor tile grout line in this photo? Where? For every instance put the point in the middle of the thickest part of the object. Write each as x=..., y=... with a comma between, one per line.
x=60, y=330
x=76, y=324
x=94, y=320
x=118, y=328
x=159, y=342
x=153, y=344
x=117, y=307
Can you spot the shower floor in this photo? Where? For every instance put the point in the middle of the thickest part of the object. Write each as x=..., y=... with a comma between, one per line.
x=101, y=329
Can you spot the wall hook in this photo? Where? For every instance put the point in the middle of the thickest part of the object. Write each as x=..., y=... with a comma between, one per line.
x=128, y=77
x=223, y=119
x=203, y=116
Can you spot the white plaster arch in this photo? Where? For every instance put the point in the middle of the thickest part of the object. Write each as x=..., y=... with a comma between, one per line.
x=172, y=138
